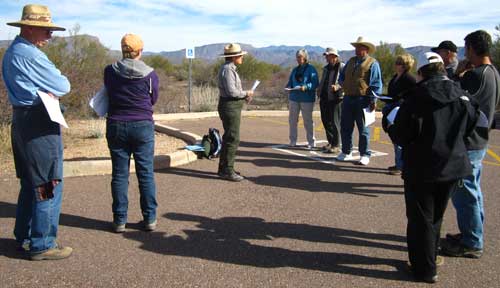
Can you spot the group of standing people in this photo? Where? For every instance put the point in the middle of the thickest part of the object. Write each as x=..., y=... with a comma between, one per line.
x=132, y=89
x=440, y=133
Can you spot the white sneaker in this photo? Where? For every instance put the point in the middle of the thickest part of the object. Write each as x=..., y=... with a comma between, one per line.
x=364, y=160
x=345, y=157
x=292, y=144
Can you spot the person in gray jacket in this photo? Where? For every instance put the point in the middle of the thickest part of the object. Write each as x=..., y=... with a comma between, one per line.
x=231, y=101
x=331, y=95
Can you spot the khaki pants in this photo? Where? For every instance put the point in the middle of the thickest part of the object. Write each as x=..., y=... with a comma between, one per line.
x=294, y=109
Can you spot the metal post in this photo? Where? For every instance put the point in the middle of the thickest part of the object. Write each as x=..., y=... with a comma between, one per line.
x=190, y=84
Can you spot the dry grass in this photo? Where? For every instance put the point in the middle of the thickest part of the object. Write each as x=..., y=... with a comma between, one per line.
x=84, y=140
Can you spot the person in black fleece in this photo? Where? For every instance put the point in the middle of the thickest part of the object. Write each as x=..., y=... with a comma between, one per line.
x=431, y=126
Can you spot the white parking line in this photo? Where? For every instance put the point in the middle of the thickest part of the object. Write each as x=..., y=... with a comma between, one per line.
x=319, y=156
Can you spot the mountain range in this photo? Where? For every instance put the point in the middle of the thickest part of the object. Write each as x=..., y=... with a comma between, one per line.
x=280, y=55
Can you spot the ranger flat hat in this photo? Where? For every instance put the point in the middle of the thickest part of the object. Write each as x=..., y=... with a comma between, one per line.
x=37, y=16
x=363, y=42
x=232, y=50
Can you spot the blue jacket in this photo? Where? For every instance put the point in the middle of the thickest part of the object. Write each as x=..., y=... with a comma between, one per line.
x=26, y=69
x=309, y=79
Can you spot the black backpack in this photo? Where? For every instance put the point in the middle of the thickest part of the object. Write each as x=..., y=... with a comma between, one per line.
x=212, y=142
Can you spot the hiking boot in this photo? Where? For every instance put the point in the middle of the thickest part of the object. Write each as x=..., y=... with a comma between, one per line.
x=56, y=253
x=457, y=249
x=150, y=226
x=232, y=176
x=365, y=160
x=427, y=279
x=345, y=157
x=118, y=228
x=335, y=149
x=454, y=237
x=327, y=147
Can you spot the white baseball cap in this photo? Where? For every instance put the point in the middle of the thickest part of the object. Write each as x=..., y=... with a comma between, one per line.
x=430, y=57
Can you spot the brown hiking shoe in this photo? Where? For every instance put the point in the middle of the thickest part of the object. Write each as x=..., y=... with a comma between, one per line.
x=56, y=253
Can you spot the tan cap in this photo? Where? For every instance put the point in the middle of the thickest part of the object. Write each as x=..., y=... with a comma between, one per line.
x=132, y=43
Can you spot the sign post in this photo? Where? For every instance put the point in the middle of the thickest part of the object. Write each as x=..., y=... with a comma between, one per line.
x=190, y=56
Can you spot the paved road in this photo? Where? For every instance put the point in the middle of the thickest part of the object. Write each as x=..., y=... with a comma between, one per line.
x=300, y=220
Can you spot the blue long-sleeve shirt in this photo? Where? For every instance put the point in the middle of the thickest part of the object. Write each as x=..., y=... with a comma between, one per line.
x=375, y=75
x=26, y=69
x=309, y=79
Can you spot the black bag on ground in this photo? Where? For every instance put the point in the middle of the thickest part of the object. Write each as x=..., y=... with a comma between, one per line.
x=212, y=142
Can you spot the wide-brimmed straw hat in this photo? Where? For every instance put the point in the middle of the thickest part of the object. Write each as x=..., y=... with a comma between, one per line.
x=37, y=16
x=232, y=50
x=361, y=41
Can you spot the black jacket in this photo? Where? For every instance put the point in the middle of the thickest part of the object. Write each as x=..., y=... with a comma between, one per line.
x=431, y=126
x=397, y=88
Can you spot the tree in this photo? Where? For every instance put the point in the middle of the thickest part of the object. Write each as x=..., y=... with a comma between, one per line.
x=82, y=59
x=5, y=108
x=387, y=58
x=160, y=63
x=495, y=54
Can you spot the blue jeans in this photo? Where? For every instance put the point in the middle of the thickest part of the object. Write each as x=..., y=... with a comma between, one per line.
x=126, y=139
x=352, y=112
x=468, y=201
x=37, y=221
x=398, y=156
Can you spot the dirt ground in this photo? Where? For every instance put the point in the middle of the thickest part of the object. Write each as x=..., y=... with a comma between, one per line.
x=86, y=139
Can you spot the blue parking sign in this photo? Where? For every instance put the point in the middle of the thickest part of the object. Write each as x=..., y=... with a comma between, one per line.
x=190, y=53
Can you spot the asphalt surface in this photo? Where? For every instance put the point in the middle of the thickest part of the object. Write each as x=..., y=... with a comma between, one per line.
x=300, y=220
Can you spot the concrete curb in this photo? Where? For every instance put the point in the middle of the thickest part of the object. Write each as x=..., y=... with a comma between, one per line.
x=174, y=159
x=177, y=158
x=244, y=113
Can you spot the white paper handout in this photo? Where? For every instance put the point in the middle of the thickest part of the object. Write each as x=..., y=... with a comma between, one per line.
x=392, y=115
x=292, y=89
x=369, y=116
x=100, y=102
x=255, y=84
x=53, y=108
x=381, y=97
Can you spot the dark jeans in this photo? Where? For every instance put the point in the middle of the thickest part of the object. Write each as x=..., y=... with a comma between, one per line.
x=352, y=112
x=425, y=206
x=38, y=156
x=126, y=139
x=230, y=114
x=330, y=116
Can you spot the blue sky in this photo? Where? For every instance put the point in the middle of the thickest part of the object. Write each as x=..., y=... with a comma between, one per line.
x=172, y=25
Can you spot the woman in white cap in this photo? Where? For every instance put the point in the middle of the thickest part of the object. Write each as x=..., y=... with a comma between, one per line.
x=302, y=84
x=431, y=126
x=231, y=100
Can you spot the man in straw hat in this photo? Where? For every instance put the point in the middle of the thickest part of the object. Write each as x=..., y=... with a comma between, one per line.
x=36, y=140
x=231, y=101
x=360, y=77
x=331, y=95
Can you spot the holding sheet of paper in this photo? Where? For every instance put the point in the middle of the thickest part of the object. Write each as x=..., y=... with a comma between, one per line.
x=392, y=115
x=369, y=116
x=255, y=84
x=53, y=108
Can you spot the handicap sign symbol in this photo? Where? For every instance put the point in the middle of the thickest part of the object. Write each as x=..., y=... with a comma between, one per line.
x=190, y=53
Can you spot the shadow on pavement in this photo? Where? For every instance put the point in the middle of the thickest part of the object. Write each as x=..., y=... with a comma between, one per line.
x=8, y=210
x=226, y=240
x=317, y=185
